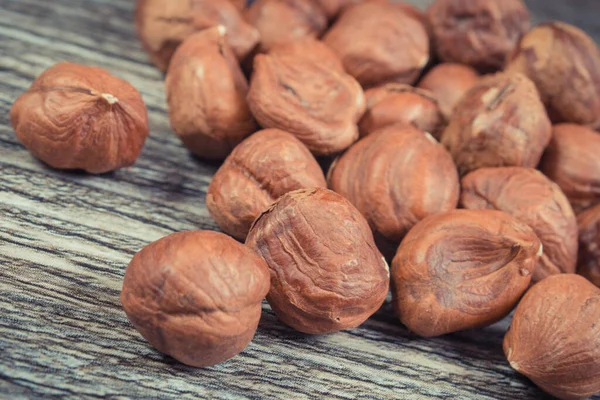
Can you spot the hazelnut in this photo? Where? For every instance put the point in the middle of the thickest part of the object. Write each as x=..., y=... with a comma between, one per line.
x=317, y=104
x=206, y=94
x=378, y=43
x=500, y=122
x=282, y=21
x=326, y=273
x=395, y=103
x=479, y=33
x=262, y=168
x=448, y=83
x=162, y=26
x=196, y=296
x=239, y=4
x=79, y=117
x=311, y=49
x=333, y=8
x=554, y=338
x=589, y=244
x=462, y=269
x=378, y=176
x=529, y=196
x=572, y=161
x=564, y=63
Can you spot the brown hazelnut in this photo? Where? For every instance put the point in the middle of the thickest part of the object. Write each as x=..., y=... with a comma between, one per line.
x=311, y=49
x=326, y=272
x=572, y=161
x=589, y=244
x=500, y=122
x=162, y=26
x=377, y=175
x=239, y=4
x=462, y=269
x=448, y=83
x=333, y=8
x=379, y=43
x=196, y=296
x=564, y=63
x=394, y=103
x=79, y=117
x=282, y=21
x=529, y=196
x=479, y=33
x=206, y=94
x=317, y=104
x=262, y=168
x=554, y=338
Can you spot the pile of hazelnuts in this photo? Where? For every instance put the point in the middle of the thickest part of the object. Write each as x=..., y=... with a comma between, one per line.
x=482, y=187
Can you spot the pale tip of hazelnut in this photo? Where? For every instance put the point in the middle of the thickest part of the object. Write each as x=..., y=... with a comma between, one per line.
x=222, y=30
x=525, y=272
x=430, y=138
x=540, y=251
x=109, y=98
x=515, y=365
x=387, y=267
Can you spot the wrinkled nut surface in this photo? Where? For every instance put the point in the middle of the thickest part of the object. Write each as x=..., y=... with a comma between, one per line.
x=283, y=21
x=206, y=94
x=326, y=273
x=554, y=338
x=379, y=43
x=500, y=122
x=333, y=7
x=377, y=175
x=317, y=104
x=462, y=269
x=589, y=244
x=479, y=33
x=448, y=83
x=162, y=26
x=79, y=117
x=311, y=49
x=564, y=63
x=262, y=168
x=196, y=296
x=394, y=103
x=529, y=196
x=572, y=161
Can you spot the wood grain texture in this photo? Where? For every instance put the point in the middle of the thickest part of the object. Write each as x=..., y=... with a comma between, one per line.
x=66, y=238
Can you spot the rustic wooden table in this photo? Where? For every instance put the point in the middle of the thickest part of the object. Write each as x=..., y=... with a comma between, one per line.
x=66, y=238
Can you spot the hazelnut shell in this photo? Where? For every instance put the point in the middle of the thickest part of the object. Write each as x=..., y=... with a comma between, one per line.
x=462, y=269
x=196, y=296
x=554, y=338
x=326, y=272
x=529, y=196
x=589, y=244
x=79, y=117
x=262, y=168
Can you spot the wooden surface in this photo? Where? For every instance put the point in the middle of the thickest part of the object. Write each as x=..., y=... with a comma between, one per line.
x=66, y=238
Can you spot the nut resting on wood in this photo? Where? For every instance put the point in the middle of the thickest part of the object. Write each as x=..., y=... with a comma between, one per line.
x=529, y=196
x=554, y=337
x=262, y=168
x=564, y=63
x=395, y=103
x=163, y=24
x=196, y=296
x=462, y=269
x=589, y=244
x=206, y=94
x=79, y=117
x=500, y=122
x=377, y=175
x=317, y=104
x=479, y=33
x=379, y=43
x=572, y=161
x=326, y=272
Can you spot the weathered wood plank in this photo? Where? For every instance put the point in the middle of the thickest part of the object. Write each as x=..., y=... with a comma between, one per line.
x=66, y=238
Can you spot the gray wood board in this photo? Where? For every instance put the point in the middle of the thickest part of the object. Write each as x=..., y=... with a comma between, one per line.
x=66, y=238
